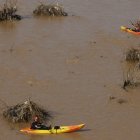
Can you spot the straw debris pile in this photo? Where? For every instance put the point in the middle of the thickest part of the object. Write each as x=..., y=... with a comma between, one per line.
x=132, y=55
x=50, y=10
x=8, y=11
x=136, y=25
x=24, y=112
x=132, y=78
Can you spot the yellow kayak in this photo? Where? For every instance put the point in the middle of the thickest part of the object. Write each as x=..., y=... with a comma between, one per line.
x=129, y=30
x=54, y=130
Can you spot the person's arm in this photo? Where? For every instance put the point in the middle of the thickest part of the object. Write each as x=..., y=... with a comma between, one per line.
x=35, y=125
x=38, y=126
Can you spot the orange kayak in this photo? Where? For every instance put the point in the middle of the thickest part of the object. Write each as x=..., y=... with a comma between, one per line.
x=54, y=130
x=129, y=30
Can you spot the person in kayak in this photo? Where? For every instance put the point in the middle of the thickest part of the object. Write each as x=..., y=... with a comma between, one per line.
x=136, y=29
x=36, y=124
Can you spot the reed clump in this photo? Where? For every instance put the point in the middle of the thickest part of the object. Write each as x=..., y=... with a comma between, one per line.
x=136, y=24
x=132, y=55
x=50, y=10
x=132, y=75
x=8, y=11
x=24, y=112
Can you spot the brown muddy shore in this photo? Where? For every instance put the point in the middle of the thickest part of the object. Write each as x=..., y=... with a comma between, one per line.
x=73, y=66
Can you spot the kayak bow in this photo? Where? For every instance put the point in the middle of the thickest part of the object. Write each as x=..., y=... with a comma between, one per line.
x=129, y=30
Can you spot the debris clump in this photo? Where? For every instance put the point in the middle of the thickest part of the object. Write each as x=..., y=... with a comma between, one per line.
x=50, y=10
x=127, y=83
x=8, y=11
x=24, y=112
x=136, y=26
x=132, y=55
x=132, y=78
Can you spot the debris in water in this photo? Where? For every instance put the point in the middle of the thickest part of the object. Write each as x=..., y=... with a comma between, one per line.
x=132, y=55
x=126, y=83
x=50, y=10
x=132, y=78
x=24, y=112
x=8, y=11
x=136, y=26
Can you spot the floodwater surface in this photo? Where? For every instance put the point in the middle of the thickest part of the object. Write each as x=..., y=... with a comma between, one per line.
x=72, y=65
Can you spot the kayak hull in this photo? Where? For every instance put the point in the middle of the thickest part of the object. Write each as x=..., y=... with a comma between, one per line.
x=62, y=129
x=123, y=28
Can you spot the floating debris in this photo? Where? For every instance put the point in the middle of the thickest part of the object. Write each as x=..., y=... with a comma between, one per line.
x=136, y=26
x=132, y=55
x=24, y=112
x=126, y=84
x=8, y=11
x=128, y=79
x=50, y=10
x=132, y=77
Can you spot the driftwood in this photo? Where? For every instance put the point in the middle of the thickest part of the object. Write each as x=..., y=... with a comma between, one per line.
x=50, y=10
x=8, y=11
x=24, y=112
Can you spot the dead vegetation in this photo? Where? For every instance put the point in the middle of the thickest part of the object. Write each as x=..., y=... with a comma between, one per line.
x=8, y=11
x=50, y=10
x=132, y=55
x=132, y=76
x=132, y=66
x=24, y=112
x=136, y=25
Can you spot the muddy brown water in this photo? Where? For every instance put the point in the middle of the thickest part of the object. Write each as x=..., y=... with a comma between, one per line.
x=72, y=65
